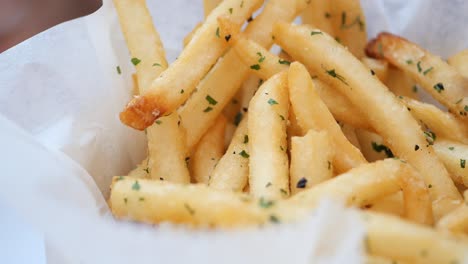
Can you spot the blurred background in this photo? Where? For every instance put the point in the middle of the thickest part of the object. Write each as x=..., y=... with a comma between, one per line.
x=22, y=19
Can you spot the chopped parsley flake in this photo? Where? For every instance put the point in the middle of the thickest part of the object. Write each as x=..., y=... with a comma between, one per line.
x=120, y=178
x=264, y=203
x=238, y=118
x=136, y=186
x=451, y=148
x=316, y=33
x=182, y=91
x=283, y=191
x=255, y=67
x=429, y=186
x=246, y=139
x=462, y=163
x=118, y=70
x=272, y=101
x=419, y=66
x=430, y=137
x=125, y=200
x=302, y=183
x=141, y=199
x=189, y=209
x=381, y=147
x=285, y=62
x=158, y=122
x=208, y=109
x=135, y=61
x=157, y=64
x=333, y=74
x=274, y=219
x=230, y=10
x=282, y=117
x=210, y=100
x=466, y=108
x=262, y=58
x=415, y=89
x=147, y=170
x=439, y=87
x=242, y=4
x=329, y=164
x=268, y=184
x=409, y=62
x=428, y=70
x=244, y=154
x=356, y=21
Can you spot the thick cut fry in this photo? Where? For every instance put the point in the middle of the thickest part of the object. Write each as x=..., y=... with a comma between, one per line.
x=350, y=134
x=311, y=157
x=392, y=204
x=232, y=171
x=154, y=202
x=208, y=152
x=438, y=78
x=369, y=182
x=268, y=163
x=400, y=83
x=349, y=25
x=167, y=150
x=312, y=113
x=142, y=40
x=454, y=155
x=377, y=67
x=319, y=13
x=230, y=72
x=456, y=221
x=443, y=124
x=372, y=146
x=171, y=90
x=460, y=62
x=190, y=35
x=385, y=113
x=209, y=5
x=390, y=237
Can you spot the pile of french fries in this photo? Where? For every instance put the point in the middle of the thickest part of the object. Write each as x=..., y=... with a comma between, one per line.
x=239, y=136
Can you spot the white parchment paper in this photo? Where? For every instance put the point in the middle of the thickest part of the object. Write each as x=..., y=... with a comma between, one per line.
x=61, y=142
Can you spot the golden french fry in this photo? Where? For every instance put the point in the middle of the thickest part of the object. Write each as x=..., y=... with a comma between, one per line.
x=456, y=221
x=167, y=150
x=311, y=157
x=141, y=171
x=460, y=62
x=400, y=83
x=390, y=237
x=229, y=72
x=443, y=124
x=454, y=155
x=209, y=5
x=332, y=62
x=190, y=35
x=363, y=185
x=372, y=146
x=268, y=163
x=319, y=13
x=391, y=204
x=208, y=152
x=439, y=79
x=349, y=25
x=142, y=39
x=350, y=134
x=312, y=113
x=232, y=171
x=377, y=67
x=205, y=48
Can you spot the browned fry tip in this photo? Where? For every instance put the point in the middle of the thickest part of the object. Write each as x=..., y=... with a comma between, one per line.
x=141, y=113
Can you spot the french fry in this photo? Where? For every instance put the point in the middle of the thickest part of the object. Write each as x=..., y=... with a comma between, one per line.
x=349, y=25
x=166, y=147
x=369, y=182
x=377, y=67
x=208, y=152
x=268, y=162
x=350, y=134
x=311, y=157
x=232, y=171
x=385, y=113
x=190, y=35
x=454, y=155
x=142, y=39
x=391, y=204
x=372, y=146
x=318, y=13
x=456, y=221
x=439, y=79
x=205, y=48
x=229, y=72
x=460, y=62
x=312, y=113
x=443, y=124
x=401, y=84
x=167, y=151
x=209, y=5
x=390, y=237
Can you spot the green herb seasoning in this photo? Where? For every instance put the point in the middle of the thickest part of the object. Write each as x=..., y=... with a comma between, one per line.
x=285, y=62
x=274, y=219
x=451, y=148
x=418, y=65
x=302, y=183
x=462, y=163
x=430, y=137
x=230, y=10
x=255, y=67
x=189, y=209
x=135, y=61
x=428, y=70
x=158, y=122
x=333, y=74
x=120, y=178
x=246, y=139
x=208, y=109
x=264, y=203
x=439, y=87
x=217, y=32
x=244, y=154
x=157, y=64
x=409, y=62
x=136, y=186
x=272, y=101
x=381, y=147
x=211, y=100
x=316, y=33
x=262, y=58
x=118, y=70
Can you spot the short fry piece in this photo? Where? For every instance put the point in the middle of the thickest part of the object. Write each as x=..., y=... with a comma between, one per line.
x=438, y=78
x=232, y=171
x=333, y=63
x=454, y=155
x=460, y=62
x=369, y=182
x=311, y=157
x=208, y=152
x=268, y=163
x=205, y=48
x=312, y=113
x=167, y=151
